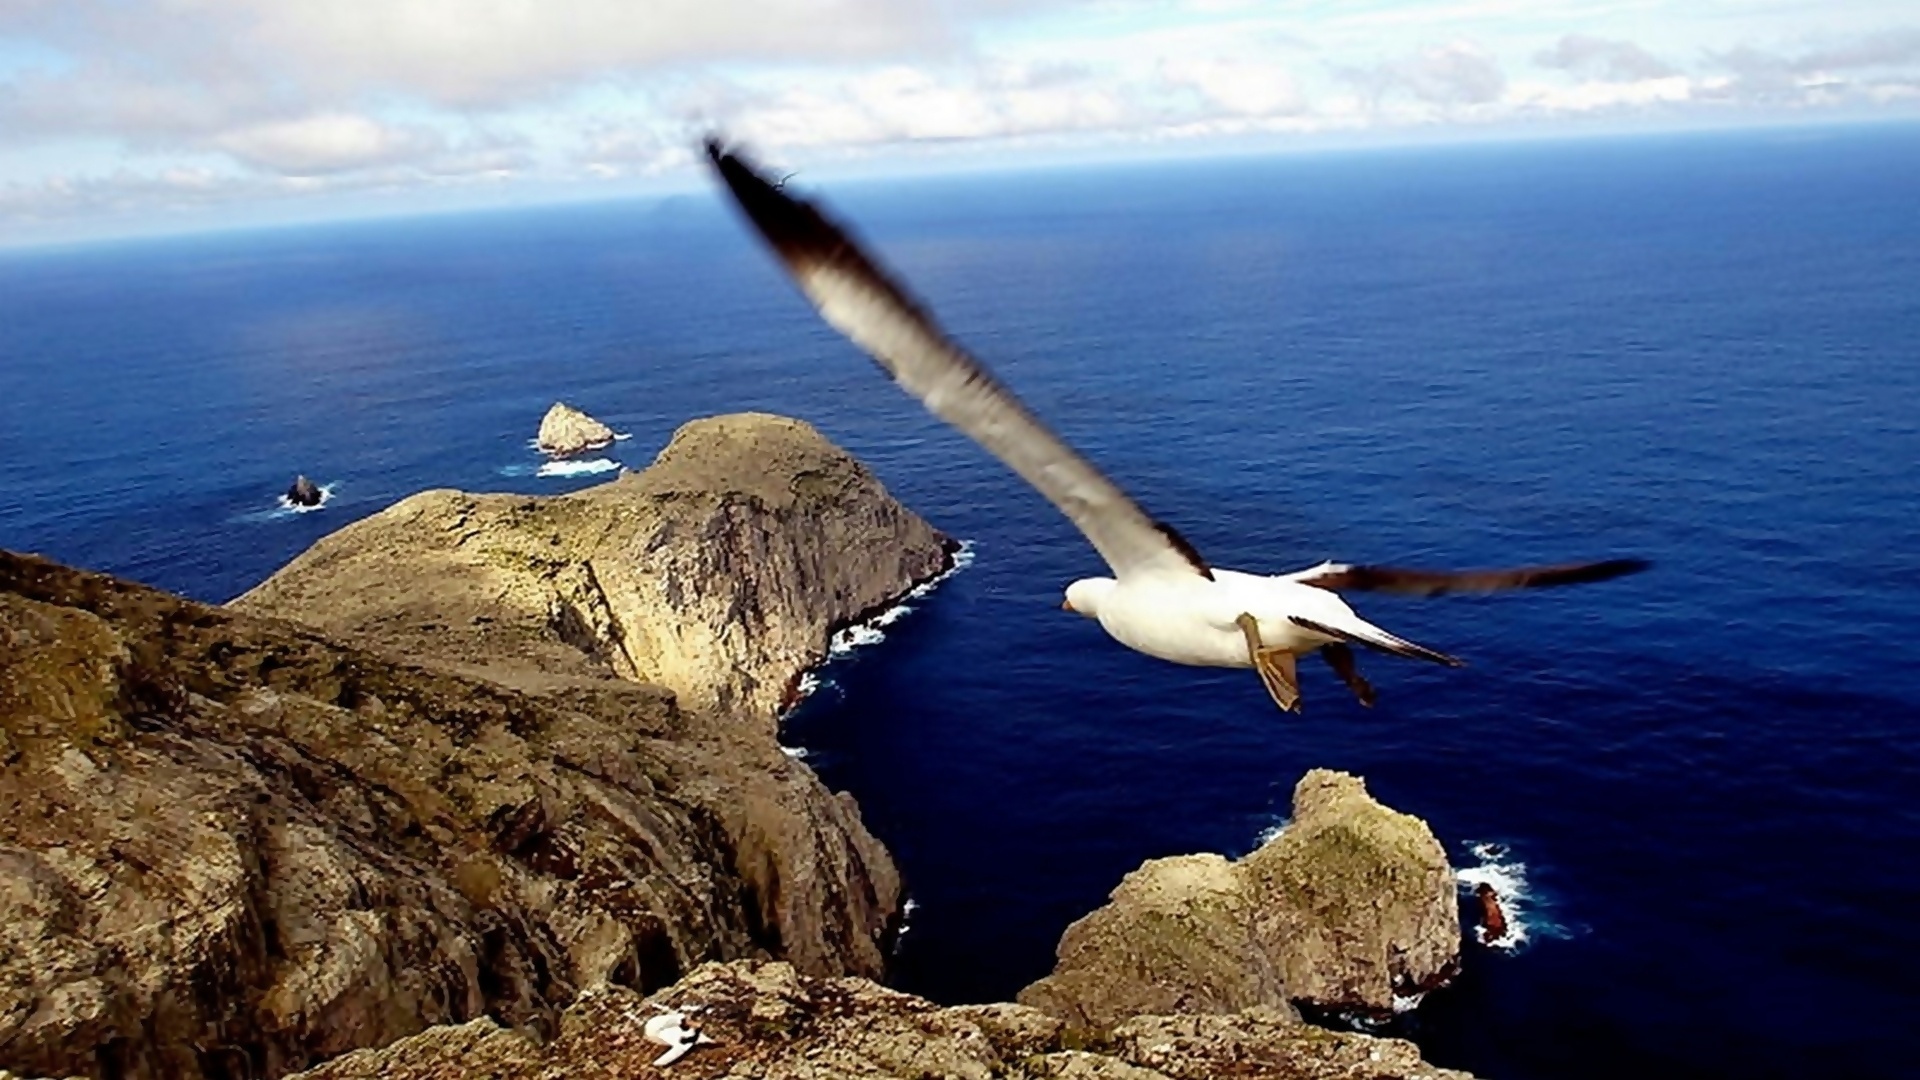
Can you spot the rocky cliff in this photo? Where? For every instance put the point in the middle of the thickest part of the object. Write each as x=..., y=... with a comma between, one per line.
x=719, y=572
x=766, y=1020
x=233, y=845
x=1350, y=906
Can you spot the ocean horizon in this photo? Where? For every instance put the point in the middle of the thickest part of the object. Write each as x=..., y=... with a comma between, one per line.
x=1696, y=783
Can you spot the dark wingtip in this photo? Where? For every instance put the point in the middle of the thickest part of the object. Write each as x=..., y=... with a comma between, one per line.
x=1600, y=571
x=793, y=227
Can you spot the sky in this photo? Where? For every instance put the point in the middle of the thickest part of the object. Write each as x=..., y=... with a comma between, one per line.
x=123, y=117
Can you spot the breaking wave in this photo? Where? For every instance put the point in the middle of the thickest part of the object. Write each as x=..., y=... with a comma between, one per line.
x=284, y=507
x=873, y=631
x=1495, y=865
x=577, y=468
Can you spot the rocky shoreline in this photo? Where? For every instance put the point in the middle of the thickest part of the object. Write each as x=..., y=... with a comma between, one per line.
x=476, y=781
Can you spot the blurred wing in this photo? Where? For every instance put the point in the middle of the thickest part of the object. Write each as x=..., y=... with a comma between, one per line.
x=1393, y=579
x=860, y=300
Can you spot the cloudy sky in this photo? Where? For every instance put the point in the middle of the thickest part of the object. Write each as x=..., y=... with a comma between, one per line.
x=126, y=116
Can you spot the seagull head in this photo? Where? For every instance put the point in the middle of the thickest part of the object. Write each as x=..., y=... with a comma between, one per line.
x=1084, y=596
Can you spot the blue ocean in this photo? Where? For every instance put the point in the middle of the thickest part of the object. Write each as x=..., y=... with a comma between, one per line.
x=1700, y=785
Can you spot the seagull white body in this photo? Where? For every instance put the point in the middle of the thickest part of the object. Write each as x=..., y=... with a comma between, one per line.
x=1163, y=599
x=672, y=1031
x=1188, y=619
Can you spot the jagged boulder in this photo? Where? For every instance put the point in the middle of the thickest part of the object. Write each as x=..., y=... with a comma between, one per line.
x=766, y=1020
x=304, y=492
x=1350, y=906
x=566, y=430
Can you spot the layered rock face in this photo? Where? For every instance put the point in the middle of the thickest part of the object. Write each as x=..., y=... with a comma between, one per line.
x=231, y=845
x=767, y=1020
x=718, y=572
x=566, y=430
x=1351, y=905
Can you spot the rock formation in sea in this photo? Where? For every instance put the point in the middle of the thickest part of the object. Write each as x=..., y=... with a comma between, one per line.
x=566, y=430
x=718, y=572
x=232, y=844
x=1349, y=907
x=304, y=492
x=768, y=1020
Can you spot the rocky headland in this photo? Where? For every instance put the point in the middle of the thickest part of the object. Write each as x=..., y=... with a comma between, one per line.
x=719, y=572
x=565, y=430
x=478, y=784
x=1349, y=908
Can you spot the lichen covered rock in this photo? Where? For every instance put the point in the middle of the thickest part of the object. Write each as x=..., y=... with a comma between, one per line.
x=768, y=1021
x=1351, y=905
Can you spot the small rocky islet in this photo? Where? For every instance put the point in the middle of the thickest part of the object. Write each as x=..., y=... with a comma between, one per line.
x=480, y=783
x=566, y=431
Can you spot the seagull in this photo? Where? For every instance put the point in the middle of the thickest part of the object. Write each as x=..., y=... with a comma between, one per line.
x=672, y=1031
x=1163, y=599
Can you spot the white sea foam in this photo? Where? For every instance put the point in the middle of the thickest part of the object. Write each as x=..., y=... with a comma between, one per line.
x=1272, y=832
x=578, y=468
x=1495, y=865
x=618, y=436
x=288, y=506
x=906, y=921
x=872, y=631
x=797, y=753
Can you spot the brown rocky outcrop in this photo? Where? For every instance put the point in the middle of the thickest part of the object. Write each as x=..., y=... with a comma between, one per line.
x=767, y=1020
x=566, y=430
x=718, y=572
x=232, y=845
x=1351, y=905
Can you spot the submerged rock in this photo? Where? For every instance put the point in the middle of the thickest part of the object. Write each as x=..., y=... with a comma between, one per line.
x=566, y=430
x=1350, y=906
x=767, y=1020
x=304, y=492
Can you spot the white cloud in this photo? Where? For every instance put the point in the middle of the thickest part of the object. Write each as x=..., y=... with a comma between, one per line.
x=326, y=143
x=260, y=98
x=1613, y=61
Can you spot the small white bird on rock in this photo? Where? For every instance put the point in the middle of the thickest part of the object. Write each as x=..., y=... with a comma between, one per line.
x=1163, y=599
x=672, y=1031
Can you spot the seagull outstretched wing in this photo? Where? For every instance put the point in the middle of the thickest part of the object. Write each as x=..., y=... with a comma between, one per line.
x=860, y=299
x=1394, y=579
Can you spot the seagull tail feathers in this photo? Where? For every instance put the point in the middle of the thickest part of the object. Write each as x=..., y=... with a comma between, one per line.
x=1361, y=632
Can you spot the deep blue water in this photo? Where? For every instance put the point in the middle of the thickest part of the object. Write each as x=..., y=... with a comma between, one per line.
x=1699, y=351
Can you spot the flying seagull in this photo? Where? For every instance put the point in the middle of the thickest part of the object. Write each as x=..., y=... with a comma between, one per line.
x=1163, y=598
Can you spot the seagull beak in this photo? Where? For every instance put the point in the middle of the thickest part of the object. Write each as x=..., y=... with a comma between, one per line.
x=1066, y=605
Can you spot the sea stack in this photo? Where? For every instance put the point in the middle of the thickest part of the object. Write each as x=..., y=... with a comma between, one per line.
x=1492, y=920
x=566, y=430
x=303, y=492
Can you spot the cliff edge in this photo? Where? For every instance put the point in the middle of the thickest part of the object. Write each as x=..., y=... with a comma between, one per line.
x=234, y=845
x=766, y=1020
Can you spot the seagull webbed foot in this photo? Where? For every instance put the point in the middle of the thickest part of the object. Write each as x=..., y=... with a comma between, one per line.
x=1275, y=666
